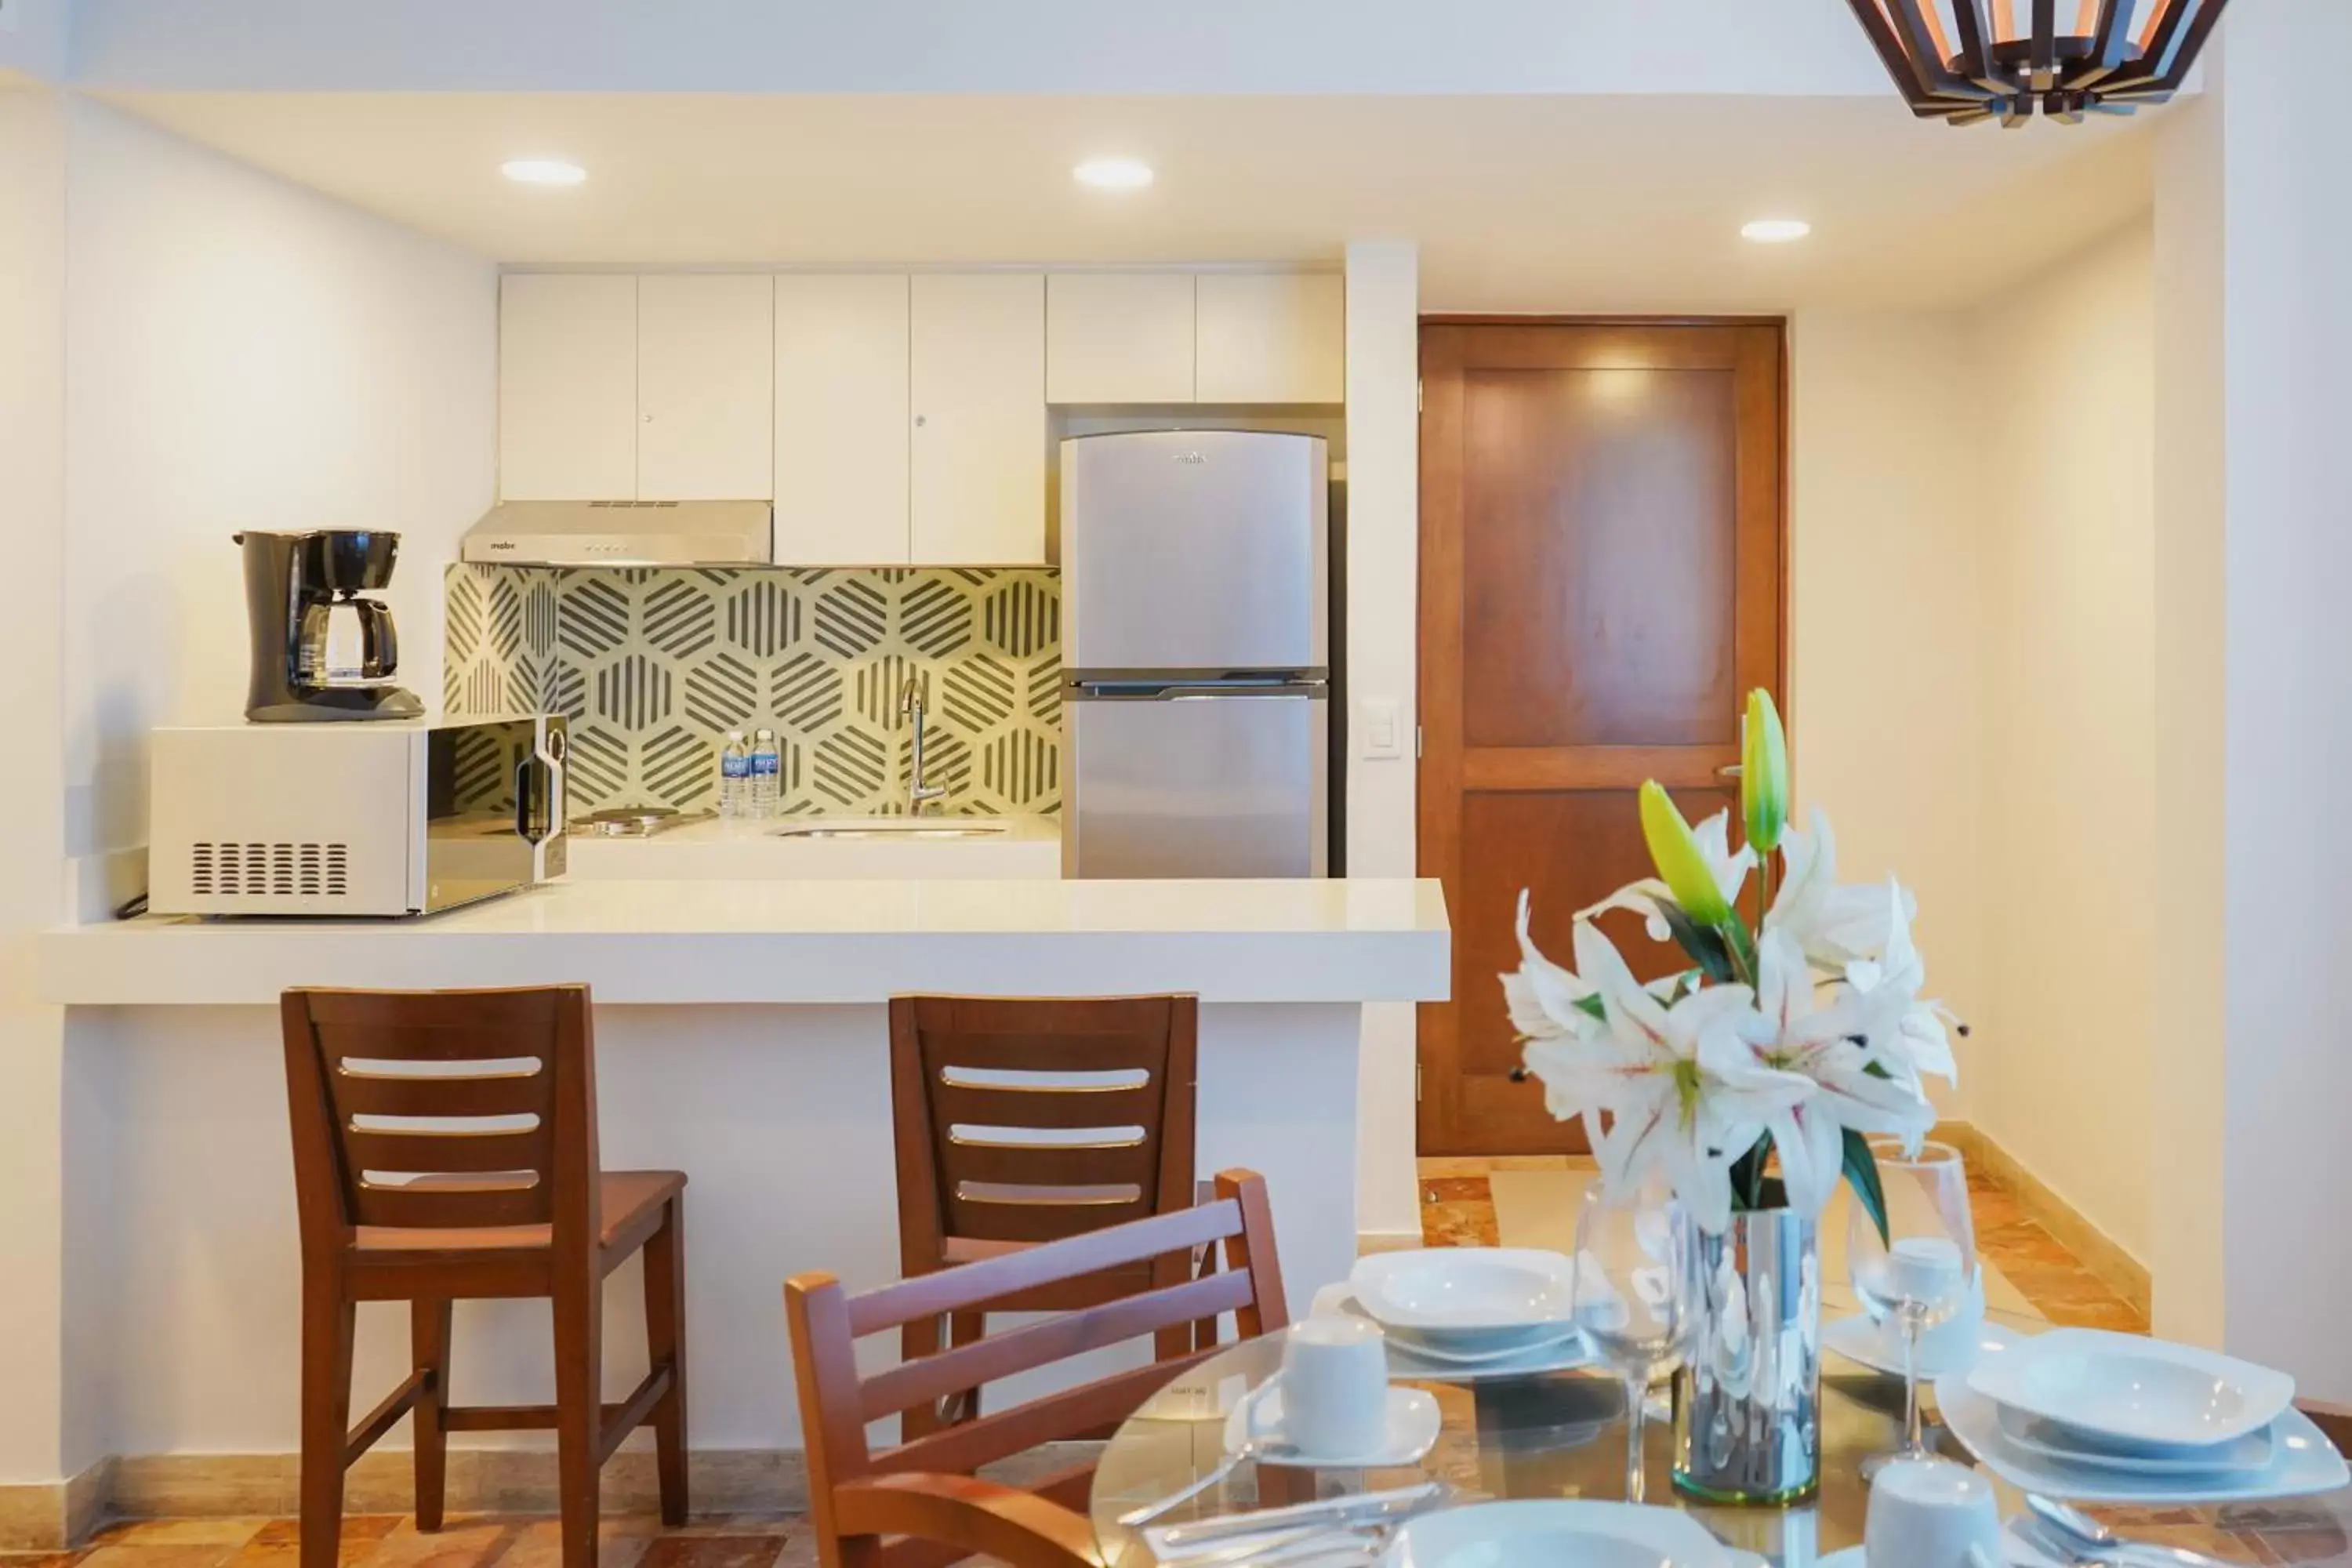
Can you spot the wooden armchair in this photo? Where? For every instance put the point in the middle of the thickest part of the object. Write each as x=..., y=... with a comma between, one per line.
x=918, y=1505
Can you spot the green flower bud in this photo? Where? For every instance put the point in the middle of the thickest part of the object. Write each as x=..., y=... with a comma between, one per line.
x=1680, y=864
x=1764, y=773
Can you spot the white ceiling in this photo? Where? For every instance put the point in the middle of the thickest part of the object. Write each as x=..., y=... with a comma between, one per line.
x=1519, y=203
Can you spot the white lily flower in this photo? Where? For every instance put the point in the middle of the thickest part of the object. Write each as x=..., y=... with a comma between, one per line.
x=1834, y=1048
x=1644, y=898
x=1684, y=1094
x=1921, y=1042
x=1542, y=996
x=1832, y=926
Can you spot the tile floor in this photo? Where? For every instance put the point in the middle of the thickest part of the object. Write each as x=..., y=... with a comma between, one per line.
x=1457, y=1209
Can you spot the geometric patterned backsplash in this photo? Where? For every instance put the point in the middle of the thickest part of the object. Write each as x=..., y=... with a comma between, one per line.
x=654, y=665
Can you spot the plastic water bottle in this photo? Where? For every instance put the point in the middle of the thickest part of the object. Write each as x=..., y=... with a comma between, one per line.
x=735, y=777
x=767, y=774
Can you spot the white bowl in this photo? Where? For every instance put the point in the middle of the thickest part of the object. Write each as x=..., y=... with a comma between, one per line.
x=2056, y=1440
x=1454, y=1291
x=2134, y=1390
x=1553, y=1535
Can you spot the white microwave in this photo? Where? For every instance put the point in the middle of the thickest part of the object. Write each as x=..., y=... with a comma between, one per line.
x=353, y=819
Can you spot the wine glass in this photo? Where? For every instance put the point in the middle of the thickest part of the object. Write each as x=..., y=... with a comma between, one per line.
x=1632, y=1299
x=1921, y=1272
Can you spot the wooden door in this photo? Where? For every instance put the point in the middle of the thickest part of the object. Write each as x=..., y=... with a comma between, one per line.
x=843, y=422
x=705, y=380
x=1601, y=585
x=567, y=386
x=979, y=438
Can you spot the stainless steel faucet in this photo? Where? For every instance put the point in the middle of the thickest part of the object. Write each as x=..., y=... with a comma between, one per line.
x=910, y=706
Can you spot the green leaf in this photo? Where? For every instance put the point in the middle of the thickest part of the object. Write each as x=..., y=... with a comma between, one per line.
x=1703, y=943
x=1861, y=1175
x=1741, y=946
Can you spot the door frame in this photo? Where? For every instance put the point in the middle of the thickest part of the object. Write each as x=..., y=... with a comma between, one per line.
x=1425, y=822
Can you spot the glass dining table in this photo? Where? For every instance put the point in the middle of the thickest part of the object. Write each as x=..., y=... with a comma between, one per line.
x=1560, y=1435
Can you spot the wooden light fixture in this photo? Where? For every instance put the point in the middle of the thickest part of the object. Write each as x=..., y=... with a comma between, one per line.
x=1966, y=60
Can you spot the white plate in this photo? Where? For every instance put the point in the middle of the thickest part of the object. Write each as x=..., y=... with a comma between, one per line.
x=1515, y=1348
x=1880, y=1348
x=1408, y=1359
x=2134, y=1388
x=1414, y=1422
x=2016, y=1551
x=2304, y=1461
x=1550, y=1534
x=2056, y=1440
x=1467, y=1289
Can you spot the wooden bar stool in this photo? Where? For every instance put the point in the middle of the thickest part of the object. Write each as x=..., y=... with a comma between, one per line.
x=918, y=1505
x=995, y=1155
x=444, y=1147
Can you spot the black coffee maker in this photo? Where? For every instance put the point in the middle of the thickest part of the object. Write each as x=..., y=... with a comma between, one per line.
x=309, y=666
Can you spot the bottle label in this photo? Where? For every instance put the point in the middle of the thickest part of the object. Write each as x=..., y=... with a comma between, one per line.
x=735, y=768
x=767, y=765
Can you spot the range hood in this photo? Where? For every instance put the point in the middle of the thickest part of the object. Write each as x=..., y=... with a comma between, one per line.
x=625, y=534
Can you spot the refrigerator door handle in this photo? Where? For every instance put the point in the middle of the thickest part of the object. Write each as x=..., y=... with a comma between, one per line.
x=1192, y=692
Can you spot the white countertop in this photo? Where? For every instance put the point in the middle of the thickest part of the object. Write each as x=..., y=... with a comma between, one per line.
x=689, y=942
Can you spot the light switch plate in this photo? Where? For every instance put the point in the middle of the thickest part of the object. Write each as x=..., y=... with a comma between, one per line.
x=1381, y=731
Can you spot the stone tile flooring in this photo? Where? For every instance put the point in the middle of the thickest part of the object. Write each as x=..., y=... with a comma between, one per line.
x=1457, y=1209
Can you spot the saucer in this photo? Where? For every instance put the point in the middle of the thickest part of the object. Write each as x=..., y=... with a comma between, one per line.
x=1406, y=1360
x=1414, y=1420
x=1859, y=1339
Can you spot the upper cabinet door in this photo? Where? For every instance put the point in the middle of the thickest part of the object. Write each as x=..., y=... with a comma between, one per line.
x=706, y=372
x=842, y=429
x=979, y=478
x=1272, y=337
x=567, y=387
x=1118, y=337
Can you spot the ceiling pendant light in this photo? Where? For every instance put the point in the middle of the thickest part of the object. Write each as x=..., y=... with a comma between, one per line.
x=1968, y=60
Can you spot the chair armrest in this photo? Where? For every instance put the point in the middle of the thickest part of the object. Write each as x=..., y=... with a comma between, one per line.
x=1004, y=1523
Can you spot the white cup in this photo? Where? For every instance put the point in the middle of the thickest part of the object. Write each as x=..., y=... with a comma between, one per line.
x=1931, y=1513
x=1335, y=1389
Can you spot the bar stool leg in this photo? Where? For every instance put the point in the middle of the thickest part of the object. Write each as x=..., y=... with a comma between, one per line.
x=328, y=1322
x=579, y=1412
x=666, y=1345
x=429, y=1339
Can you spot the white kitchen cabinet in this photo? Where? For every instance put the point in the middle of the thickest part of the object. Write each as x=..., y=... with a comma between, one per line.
x=1271, y=337
x=977, y=477
x=1118, y=337
x=567, y=387
x=706, y=382
x=842, y=420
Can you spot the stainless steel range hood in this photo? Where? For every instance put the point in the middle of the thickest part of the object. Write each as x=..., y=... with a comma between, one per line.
x=625, y=534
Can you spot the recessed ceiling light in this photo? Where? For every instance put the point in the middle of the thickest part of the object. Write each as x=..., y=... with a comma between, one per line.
x=1114, y=174
x=543, y=172
x=1775, y=230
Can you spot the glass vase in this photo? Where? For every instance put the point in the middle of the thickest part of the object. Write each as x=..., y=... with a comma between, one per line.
x=1747, y=1397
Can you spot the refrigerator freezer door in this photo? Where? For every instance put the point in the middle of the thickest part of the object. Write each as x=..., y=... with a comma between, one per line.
x=1197, y=785
x=1194, y=550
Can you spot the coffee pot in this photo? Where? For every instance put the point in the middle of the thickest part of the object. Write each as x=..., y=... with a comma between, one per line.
x=322, y=651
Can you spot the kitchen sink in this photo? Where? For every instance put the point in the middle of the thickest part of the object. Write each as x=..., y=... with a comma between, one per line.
x=912, y=828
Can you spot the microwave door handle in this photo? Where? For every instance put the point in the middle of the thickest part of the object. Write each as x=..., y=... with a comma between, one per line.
x=531, y=816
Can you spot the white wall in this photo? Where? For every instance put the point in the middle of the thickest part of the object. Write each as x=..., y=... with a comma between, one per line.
x=1884, y=690
x=1383, y=663
x=245, y=353
x=32, y=480
x=2072, y=864
x=2252, y=555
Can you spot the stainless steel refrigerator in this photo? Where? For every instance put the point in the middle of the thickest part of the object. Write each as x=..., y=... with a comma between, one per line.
x=1195, y=645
